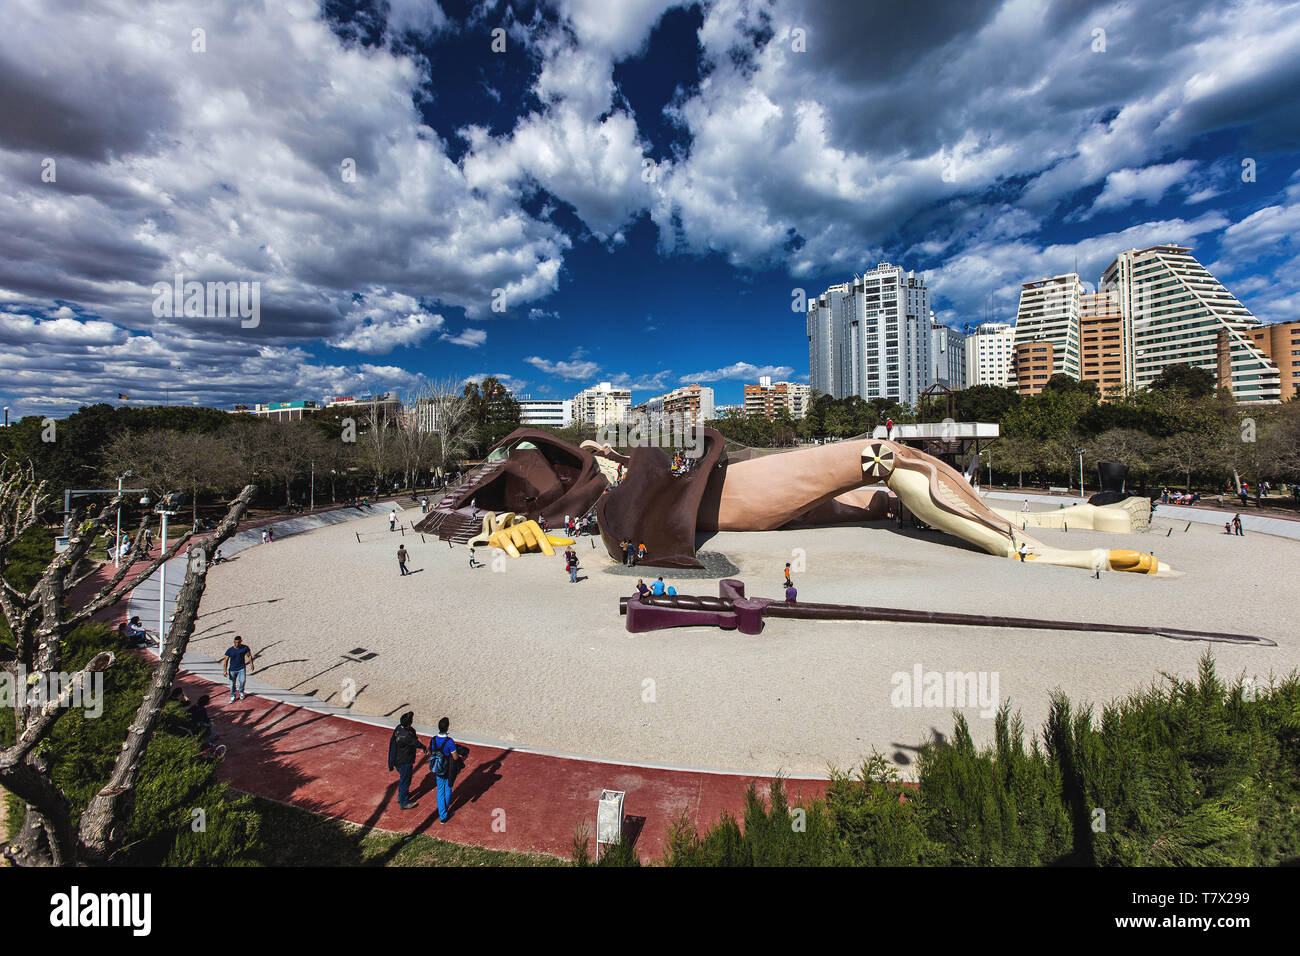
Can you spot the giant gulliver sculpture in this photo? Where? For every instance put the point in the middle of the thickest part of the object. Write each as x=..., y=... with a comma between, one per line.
x=534, y=474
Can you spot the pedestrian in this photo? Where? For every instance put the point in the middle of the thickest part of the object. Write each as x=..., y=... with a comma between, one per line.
x=402, y=558
x=626, y=547
x=788, y=582
x=401, y=757
x=392, y=520
x=573, y=570
x=473, y=561
x=1025, y=507
x=1022, y=551
x=238, y=663
x=445, y=759
x=263, y=536
x=270, y=535
x=148, y=540
x=640, y=552
x=1236, y=525
x=1227, y=527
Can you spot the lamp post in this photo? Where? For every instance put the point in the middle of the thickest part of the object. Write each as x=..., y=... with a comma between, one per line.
x=1080, y=453
x=117, y=541
x=312, y=507
x=165, y=509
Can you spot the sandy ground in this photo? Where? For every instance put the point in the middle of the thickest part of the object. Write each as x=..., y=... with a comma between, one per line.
x=521, y=655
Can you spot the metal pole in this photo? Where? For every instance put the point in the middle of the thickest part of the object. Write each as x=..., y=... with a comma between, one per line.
x=162, y=584
x=117, y=542
x=313, y=487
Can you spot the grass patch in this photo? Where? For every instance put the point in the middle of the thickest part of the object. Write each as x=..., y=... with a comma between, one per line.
x=293, y=837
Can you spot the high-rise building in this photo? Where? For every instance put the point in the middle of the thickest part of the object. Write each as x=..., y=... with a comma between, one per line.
x=990, y=350
x=1049, y=313
x=767, y=398
x=1101, y=338
x=948, y=357
x=871, y=337
x=1280, y=344
x=1033, y=365
x=1175, y=312
x=549, y=412
x=602, y=405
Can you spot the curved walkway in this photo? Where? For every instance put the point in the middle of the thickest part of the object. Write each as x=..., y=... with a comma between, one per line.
x=327, y=759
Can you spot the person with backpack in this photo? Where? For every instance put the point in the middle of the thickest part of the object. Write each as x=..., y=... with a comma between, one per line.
x=445, y=758
x=401, y=757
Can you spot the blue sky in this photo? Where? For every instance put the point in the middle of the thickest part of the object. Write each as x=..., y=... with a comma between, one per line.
x=644, y=185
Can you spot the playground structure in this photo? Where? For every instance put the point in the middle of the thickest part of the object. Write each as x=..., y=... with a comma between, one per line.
x=732, y=610
x=531, y=475
x=515, y=535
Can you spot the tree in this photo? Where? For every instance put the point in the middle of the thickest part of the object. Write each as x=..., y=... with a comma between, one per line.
x=1193, y=380
x=165, y=460
x=445, y=411
x=40, y=621
x=493, y=412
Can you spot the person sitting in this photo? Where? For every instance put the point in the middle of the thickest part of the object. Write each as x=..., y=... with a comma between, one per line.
x=657, y=589
x=135, y=632
x=202, y=723
x=641, y=589
x=791, y=595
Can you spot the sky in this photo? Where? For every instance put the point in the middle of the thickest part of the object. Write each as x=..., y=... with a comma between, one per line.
x=634, y=191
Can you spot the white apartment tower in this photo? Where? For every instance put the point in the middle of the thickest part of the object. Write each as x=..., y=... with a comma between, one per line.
x=1049, y=312
x=948, y=356
x=871, y=337
x=602, y=405
x=989, y=351
x=1173, y=311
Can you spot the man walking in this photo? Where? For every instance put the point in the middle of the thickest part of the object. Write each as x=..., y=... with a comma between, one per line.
x=392, y=520
x=401, y=757
x=402, y=557
x=237, y=664
x=445, y=757
x=1236, y=526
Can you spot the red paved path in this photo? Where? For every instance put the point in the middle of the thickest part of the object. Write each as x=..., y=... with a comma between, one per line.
x=504, y=799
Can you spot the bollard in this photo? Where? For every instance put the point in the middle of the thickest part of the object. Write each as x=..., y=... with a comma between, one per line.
x=358, y=537
x=1169, y=532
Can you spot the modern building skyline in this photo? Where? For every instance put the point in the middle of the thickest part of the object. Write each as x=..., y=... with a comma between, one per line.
x=947, y=357
x=871, y=336
x=551, y=412
x=1174, y=312
x=990, y=350
x=1049, y=312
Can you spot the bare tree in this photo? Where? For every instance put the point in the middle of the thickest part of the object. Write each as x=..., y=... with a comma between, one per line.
x=450, y=418
x=165, y=460
x=41, y=621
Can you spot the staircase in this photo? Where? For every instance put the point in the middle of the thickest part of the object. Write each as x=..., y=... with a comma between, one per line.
x=450, y=524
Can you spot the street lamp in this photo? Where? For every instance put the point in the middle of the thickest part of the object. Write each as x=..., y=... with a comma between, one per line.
x=166, y=508
x=117, y=541
x=1079, y=452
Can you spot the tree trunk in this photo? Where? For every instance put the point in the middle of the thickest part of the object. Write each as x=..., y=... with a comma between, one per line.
x=103, y=824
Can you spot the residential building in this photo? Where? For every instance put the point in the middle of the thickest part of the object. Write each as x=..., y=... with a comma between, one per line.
x=1175, y=312
x=1101, y=343
x=871, y=337
x=685, y=406
x=990, y=351
x=767, y=399
x=1033, y=364
x=947, y=357
x=386, y=406
x=1280, y=344
x=602, y=405
x=1049, y=312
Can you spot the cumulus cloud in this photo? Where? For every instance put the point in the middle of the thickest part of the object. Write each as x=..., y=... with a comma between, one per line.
x=1126, y=186
x=470, y=338
x=739, y=372
x=577, y=369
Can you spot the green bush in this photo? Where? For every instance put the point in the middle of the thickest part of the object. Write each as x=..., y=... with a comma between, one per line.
x=1189, y=773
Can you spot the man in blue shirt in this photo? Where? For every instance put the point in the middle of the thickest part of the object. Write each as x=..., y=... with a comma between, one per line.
x=445, y=757
x=238, y=661
x=658, y=587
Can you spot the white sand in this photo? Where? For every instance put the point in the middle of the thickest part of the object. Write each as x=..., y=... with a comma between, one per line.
x=525, y=657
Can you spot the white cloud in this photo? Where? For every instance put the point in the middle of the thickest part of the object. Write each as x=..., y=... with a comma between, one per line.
x=739, y=372
x=571, y=370
x=382, y=322
x=1126, y=186
x=470, y=338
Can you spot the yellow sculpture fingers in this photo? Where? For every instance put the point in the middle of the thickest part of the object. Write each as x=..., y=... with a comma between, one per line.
x=555, y=539
x=1136, y=561
x=502, y=540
